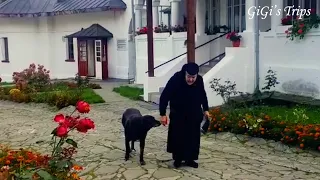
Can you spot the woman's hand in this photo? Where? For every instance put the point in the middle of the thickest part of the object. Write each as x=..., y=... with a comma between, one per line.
x=207, y=114
x=164, y=120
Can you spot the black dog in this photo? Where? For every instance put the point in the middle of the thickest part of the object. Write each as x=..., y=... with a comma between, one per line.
x=136, y=128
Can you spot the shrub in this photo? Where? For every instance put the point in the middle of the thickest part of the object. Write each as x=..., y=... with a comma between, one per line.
x=94, y=86
x=36, y=77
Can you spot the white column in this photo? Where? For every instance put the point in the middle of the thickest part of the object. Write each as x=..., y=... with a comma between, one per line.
x=155, y=12
x=275, y=19
x=200, y=16
x=138, y=16
x=249, y=22
x=175, y=13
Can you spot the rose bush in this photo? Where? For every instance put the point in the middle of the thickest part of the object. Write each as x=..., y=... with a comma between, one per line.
x=35, y=77
x=29, y=164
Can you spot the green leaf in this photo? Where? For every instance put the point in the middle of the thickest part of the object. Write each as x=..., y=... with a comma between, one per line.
x=64, y=164
x=54, y=132
x=72, y=142
x=45, y=175
x=26, y=175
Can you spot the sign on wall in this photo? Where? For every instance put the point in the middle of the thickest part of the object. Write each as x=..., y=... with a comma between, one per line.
x=121, y=44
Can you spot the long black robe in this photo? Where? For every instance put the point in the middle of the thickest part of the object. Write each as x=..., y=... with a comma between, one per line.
x=186, y=115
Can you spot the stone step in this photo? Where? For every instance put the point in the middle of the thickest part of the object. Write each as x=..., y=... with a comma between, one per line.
x=205, y=68
x=155, y=97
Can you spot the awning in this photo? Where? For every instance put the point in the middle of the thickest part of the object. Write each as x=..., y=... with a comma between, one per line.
x=94, y=31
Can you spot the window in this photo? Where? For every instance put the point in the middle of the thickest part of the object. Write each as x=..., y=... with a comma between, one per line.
x=213, y=16
x=4, y=49
x=304, y=4
x=70, y=49
x=97, y=50
x=237, y=15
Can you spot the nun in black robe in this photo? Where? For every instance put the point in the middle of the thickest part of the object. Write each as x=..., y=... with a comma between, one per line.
x=186, y=114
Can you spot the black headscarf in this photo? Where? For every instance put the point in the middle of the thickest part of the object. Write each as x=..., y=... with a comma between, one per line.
x=190, y=68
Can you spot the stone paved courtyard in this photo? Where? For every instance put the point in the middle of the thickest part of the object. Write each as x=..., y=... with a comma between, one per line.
x=223, y=156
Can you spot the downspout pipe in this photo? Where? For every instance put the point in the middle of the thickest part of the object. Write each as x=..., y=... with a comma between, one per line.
x=256, y=49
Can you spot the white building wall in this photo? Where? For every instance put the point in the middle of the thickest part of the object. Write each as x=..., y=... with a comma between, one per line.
x=40, y=41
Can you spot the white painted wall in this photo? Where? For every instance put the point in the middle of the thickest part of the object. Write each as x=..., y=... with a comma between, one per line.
x=296, y=62
x=237, y=66
x=39, y=41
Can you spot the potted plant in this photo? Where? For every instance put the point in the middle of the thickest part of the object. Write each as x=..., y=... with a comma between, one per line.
x=235, y=38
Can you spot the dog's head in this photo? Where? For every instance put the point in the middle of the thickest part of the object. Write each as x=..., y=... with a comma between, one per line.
x=150, y=121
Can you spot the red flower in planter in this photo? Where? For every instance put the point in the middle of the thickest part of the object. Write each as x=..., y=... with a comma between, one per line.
x=83, y=107
x=300, y=31
x=287, y=20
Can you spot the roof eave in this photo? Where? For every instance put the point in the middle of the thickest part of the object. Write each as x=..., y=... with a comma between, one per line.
x=68, y=12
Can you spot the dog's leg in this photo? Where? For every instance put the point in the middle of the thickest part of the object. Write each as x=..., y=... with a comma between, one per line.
x=132, y=146
x=142, y=144
x=127, y=144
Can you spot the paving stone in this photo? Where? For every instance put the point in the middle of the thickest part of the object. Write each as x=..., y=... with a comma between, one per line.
x=165, y=173
x=133, y=173
x=222, y=156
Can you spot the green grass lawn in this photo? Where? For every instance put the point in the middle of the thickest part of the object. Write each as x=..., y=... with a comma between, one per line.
x=301, y=114
x=129, y=92
x=6, y=83
x=91, y=97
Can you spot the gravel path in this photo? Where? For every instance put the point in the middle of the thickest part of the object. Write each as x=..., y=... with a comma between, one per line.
x=223, y=156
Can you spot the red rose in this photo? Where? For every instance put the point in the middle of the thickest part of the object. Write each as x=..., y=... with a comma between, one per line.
x=59, y=118
x=71, y=122
x=83, y=107
x=85, y=124
x=300, y=31
x=62, y=131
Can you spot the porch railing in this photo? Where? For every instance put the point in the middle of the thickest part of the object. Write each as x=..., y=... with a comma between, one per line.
x=186, y=52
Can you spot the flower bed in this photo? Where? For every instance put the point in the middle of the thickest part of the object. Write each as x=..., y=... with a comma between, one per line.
x=266, y=126
x=59, y=164
x=261, y=115
x=34, y=85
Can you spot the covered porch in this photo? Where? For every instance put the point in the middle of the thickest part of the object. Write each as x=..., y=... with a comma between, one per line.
x=276, y=50
x=92, y=48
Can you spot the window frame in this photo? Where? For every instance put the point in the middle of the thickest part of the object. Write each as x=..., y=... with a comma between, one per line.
x=6, y=49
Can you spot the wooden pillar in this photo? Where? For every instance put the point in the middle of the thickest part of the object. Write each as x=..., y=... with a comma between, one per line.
x=150, y=39
x=191, y=30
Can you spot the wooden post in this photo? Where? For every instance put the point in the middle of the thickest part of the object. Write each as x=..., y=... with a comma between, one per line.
x=150, y=39
x=191, y=30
